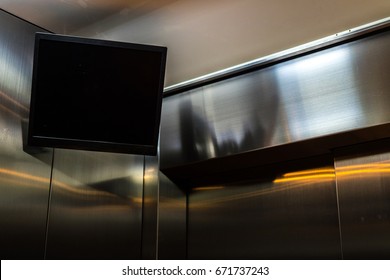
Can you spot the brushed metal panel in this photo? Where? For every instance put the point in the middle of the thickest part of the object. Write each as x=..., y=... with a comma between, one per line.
x=172, y=222
x=331, y=91
x=24, y=179
x=291, y=216
x=363, y=182
x=96, y=206
x=289, y=213
x=150, y=208
x=183, y=129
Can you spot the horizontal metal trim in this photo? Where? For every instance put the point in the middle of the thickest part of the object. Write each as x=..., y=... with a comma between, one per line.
x=291, y=53
x=248, y=165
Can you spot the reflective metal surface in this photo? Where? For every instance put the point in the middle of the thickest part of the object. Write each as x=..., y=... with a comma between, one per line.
x=24, y=179
x=291, y=216
x=331, y=91
x=96, y=206
x=172, y=222
x=96, y=200
x=150, y=208
x=318, y=101
x=363, y=182
x=111, y=206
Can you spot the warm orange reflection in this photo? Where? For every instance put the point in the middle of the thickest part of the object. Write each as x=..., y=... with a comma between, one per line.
x=16, y=182
x=24, y=175
x=289, y=181
x=10, y=111
x=312, y=174
x=46, y=181
x=366, y=169
x=22, y=109
x=13, y=101
x=307, y=177
x=328, y=173
x=309, y=172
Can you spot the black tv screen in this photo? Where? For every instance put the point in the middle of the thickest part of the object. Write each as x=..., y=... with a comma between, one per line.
x=93, y=94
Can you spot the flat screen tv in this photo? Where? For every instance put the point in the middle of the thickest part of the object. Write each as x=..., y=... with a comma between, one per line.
x=93, y=94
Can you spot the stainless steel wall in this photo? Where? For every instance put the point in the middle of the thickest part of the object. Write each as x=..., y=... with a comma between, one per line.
x=290, y=216
x=73, y=204
x=324, y=207
x=150, y=208
x=172, y=226
x=363, y=184
x=338, y=210
x=24, y=179
x=322, y=93
x=96, y=206
x=65, y=204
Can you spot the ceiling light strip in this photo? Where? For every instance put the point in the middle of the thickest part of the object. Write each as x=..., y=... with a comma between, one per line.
x=276, y=57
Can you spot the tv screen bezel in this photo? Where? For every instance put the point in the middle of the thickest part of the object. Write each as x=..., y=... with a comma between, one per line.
x=36, y=140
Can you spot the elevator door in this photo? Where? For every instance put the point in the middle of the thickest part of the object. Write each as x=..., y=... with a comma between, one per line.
x=289, y=215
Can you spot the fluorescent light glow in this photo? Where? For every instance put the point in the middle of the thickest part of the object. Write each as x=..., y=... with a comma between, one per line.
x=284, y=54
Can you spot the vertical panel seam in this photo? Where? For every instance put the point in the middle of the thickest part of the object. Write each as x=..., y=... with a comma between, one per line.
x=49, y=205
x=338, y=210
x=143, y=210
x=157, y=213
x=187, y=223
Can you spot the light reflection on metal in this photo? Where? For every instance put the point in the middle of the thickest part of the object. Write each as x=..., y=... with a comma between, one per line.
x=293, y=180
x=34, y=178
x=23, y=175
x=16, y=182
x=364, y=169
x=341, y=36
x=363, y=194
x=21, y=111
x=150, y=174
x=314, y=177
x=330, y=92
x=69, y=188
x=13, y=79
x=260, y=219
x=289, y=181
x=5, y=109
x=312, y=83
x=207, y=201
x=24, y=179
x=13, y=101
x=325, y=174
x=308, y=172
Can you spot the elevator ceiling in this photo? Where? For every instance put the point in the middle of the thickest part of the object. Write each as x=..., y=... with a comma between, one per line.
x=202, y=36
